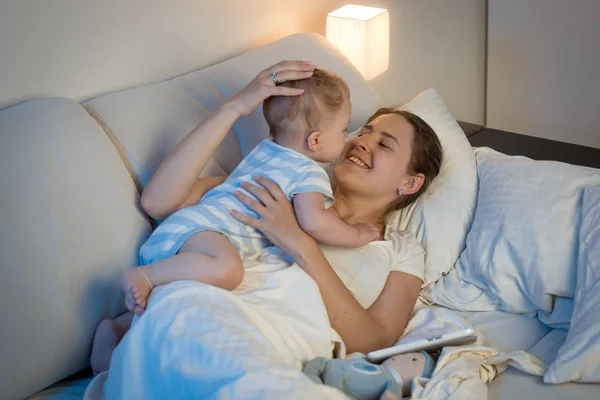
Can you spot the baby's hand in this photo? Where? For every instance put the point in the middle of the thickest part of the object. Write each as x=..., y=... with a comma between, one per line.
x=366, y=233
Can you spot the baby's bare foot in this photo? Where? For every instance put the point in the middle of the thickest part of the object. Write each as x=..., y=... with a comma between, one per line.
x=137, y=288
x=108, y=335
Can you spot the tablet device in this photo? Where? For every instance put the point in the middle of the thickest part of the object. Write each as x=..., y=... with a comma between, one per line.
x=457, y=338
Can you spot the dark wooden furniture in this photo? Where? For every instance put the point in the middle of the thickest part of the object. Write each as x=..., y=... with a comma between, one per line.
x=533, y=147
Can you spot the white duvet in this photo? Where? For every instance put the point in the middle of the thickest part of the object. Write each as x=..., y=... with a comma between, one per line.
x=197, y=341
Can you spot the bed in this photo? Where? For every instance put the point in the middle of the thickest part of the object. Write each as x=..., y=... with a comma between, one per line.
x=105, y=150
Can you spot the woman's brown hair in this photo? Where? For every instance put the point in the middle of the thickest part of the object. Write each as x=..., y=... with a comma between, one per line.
x=426, y=156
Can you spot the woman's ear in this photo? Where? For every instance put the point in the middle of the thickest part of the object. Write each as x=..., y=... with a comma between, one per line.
x=413, y=184
x=313, y=141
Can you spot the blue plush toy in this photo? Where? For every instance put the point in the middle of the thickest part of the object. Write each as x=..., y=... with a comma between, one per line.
x=363, y=380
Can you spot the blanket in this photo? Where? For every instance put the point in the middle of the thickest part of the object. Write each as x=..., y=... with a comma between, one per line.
x=198, y=341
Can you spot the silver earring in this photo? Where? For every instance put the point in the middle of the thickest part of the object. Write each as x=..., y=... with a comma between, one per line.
x=400, y=192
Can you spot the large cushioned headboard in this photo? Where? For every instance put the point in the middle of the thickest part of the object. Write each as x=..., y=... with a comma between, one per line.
x=70, y=222
x=149, y=120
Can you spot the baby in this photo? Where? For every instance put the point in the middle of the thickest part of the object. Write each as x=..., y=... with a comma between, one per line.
x=205, y=243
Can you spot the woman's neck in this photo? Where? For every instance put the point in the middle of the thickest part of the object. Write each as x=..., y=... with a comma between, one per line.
x=358, y=210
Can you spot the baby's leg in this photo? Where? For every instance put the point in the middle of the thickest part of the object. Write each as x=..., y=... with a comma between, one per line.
x=108, y=335
x=207, y=257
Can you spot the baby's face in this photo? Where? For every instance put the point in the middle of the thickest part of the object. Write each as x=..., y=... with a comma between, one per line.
x=334, y=136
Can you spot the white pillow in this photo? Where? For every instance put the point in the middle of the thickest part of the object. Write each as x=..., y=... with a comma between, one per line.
x=442, y=217
x=522, y=247
x=579, y=358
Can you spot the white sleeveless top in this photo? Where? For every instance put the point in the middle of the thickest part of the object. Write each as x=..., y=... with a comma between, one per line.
x=365, y=270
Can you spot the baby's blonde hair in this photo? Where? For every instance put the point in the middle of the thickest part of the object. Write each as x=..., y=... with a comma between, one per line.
x=324, y=93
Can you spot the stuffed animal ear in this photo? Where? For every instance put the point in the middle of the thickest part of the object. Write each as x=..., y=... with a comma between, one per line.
x=314, y=369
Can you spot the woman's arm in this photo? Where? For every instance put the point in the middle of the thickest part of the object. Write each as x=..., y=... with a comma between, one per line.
x=175, y=180
x=362, y=330
x=200, y=188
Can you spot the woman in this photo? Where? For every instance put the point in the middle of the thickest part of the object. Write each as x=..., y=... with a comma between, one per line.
x=388, y=166
x=403, y=156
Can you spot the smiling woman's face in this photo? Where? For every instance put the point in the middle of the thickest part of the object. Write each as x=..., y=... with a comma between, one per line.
x=375, y=163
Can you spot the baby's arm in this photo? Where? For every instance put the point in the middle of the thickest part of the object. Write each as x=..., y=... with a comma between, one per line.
x=326, y=227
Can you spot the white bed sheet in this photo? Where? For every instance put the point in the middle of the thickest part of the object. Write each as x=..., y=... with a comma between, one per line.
x=509, y=332
x=514, y=384
x=504, y=331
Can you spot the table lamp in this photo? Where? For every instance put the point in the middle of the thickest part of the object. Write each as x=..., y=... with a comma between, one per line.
x=363, y=35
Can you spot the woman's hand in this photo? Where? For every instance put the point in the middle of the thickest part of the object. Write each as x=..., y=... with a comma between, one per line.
x=277, y=218
x=362, y=330
x=263, y=86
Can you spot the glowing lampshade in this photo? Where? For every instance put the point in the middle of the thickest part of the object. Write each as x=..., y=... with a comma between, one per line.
x=363, y=35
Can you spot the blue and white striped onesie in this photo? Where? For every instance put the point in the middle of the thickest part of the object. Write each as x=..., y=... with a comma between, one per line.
x=293, y=172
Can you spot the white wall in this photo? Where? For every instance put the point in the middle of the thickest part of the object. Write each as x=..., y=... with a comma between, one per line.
x=83, y=48
x=439, y=44
x=543, y=68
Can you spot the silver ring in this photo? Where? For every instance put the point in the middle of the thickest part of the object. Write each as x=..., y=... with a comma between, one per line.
x=274, y=76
